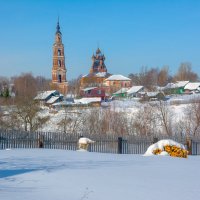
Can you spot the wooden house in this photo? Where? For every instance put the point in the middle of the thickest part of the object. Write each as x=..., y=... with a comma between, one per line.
x=192, y=88
x=48, y=97
x=93, y=92
x=175, y=88
x=121, y=92
x=151, y=96
x=133, y=91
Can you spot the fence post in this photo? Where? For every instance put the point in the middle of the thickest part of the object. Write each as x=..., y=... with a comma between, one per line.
x=119, y=145
x=41, y=141
x=189, y=145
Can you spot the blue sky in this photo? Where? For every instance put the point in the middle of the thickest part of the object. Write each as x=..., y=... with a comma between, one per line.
x=132, y=34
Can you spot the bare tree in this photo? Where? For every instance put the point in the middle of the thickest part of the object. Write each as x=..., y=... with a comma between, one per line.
x=42, y=83
x=25, y=87
x=192, y=121
x=165, y=116
x=9, y=121
x=185, y=73
x=163, y=76
x=106, y=121
x=28, y=114
x=144, y=121
x=72, y=121
x=147, y=77
x=74, y=86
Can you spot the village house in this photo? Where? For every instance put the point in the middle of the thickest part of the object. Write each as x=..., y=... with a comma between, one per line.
x=151, y=96
x=93, y=92
x=192, y=88
x=116, y=82
x=121, y=92
x=174, y=88
x=48, y=97
x=133, y=91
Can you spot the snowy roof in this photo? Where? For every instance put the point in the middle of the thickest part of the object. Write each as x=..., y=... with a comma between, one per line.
x=169, y=86
x=181, y=83
x=63, y=103
x=101, y=74
x=53, y=99
x=152, y=94
x=88, y=100
x=44, y=95
x=70, y=96
x=192, y=86
x=84, y=75
x=178, y=84
x=122, y=90
x=134, y=89
x=89, y=88
x=117, y=78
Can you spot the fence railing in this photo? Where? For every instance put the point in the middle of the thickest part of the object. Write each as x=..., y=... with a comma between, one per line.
x=128, y=144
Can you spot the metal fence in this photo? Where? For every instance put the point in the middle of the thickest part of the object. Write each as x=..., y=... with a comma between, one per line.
x=103, y=143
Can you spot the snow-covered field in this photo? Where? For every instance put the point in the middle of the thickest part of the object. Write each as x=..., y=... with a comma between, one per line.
x=66, y=175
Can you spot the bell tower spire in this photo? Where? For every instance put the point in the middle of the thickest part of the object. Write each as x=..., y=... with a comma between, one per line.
x=58, y=27
x=59, y=81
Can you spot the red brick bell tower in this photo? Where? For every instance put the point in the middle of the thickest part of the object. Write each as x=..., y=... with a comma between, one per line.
x=59, y=81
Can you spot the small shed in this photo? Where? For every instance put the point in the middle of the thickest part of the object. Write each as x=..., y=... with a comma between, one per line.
x=133, y=91
x=152, y=96
x=90, y=101
x=121, y=92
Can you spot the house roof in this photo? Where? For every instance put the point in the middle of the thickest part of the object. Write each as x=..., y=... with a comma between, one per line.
x=44, y=95
x=117, y=78
x=192, y=86
x=88, y=100
x=53, y=99
x=168, y=86
x=63, y=103
x=122, y=90
x=181, y=83
x=101, y=74
x=135, y=89
x=89, y=88
x=178, y=84
x=98, y=74
x=152, y=94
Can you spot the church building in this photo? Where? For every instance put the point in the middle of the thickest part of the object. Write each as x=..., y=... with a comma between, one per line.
x=59, y=81
x=98, y=72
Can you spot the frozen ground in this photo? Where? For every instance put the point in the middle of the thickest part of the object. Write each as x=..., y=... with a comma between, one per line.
x=67, y=175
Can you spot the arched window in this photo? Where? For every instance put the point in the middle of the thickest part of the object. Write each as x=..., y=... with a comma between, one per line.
x=59, y=78
x=59, y=52
x=59, y=63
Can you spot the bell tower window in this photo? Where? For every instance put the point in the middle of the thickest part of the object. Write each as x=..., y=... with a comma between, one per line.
x=59, y=63
x=59, y=52
x=59, y=78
